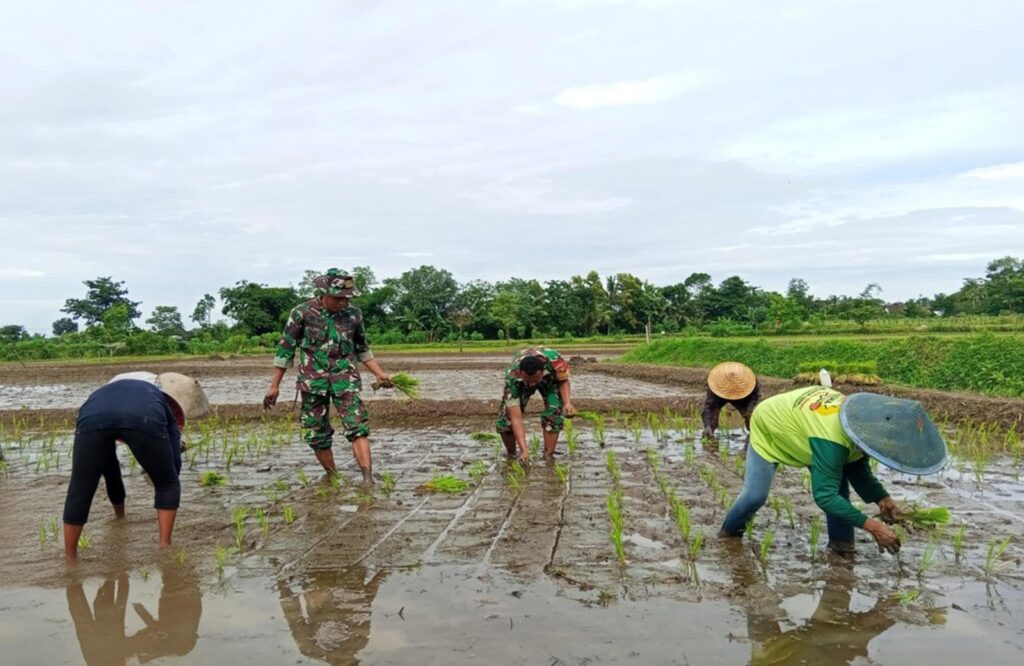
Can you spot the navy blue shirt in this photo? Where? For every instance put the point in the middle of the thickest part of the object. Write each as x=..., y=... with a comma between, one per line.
x=132, y=404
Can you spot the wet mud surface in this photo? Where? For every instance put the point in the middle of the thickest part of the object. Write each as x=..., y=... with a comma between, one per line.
x=512, y=570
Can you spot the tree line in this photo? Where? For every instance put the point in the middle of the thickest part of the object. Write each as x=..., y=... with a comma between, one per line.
x=427, y=304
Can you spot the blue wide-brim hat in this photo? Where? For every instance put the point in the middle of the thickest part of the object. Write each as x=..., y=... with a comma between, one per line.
x=894, y=431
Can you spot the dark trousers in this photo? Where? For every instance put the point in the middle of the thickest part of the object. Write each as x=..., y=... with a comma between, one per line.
x=94, y=456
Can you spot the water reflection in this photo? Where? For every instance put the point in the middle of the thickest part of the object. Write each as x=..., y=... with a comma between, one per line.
x=329, y=616
x=101, y=628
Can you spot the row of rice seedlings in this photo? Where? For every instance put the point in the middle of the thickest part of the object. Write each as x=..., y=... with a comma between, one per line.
x=613, y=467
x=614, y=503
x=49, y=530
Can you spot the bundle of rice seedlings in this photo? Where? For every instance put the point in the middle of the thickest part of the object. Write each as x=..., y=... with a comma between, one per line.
x=446, y=483
x=402, y=382
x=485, y=437
x=212, y=479
x=926, y=518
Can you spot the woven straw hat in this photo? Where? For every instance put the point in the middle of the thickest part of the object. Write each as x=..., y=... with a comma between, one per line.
x=731, y=380
x=184, y=391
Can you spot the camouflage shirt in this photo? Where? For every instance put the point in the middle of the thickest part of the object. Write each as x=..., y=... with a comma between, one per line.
x=555, y=370
x=329, y=345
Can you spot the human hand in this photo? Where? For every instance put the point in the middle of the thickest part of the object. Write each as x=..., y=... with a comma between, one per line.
x=270, y=397
x=384, y=378
x=569, y=410
x=524, y=453
x=888, y=510
x=885, y=536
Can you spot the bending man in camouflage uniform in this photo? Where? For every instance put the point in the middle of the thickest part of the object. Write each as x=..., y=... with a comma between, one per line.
x=537, y=369
x=328, y=333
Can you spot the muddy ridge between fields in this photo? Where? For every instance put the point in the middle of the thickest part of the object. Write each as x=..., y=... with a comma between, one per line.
x=689, y=383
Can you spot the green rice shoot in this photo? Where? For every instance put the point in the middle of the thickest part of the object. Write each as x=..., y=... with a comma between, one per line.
x=446, y=483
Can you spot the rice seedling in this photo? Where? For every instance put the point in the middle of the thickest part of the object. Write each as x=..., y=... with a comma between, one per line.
x=5, y=469
x=288, y=512
x=696, y=543
x=303, y=479
x=739, y=466
x=477, y=471
x=264, y=522
x=446, y=483
x=614, y=504
x=929, y=555
x=84, y=541
x=613, y=467
x=364, y=496
x=653, y=460
x=336, y=480
x=787, y=504
x=979, y=463
x=43, y=536
x=637, y=430
x=995, y=551
x=958, y=541
x=748, y=529
x=220, y=558
x=516, y=475
x=238, y=516
x=534, y=446
x=181, y=556
x=387, y=483
x=192, y=458
x=766, y=545
x=402, y=382
x=806, y=479
x=815, y=535
x=571, y=437
x=681, y=515
x=321, y=492
x=597, y=423
x=562, y=472
x=212, y=478
x=144, y=572
x=910, y=596
x=689, y=454
x=485, y=437
x=272, y=495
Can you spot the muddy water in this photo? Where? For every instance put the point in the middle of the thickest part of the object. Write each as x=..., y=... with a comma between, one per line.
x=435, y=384
x=496, y=573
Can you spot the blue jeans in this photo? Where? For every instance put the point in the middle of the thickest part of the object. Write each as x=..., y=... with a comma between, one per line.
x=757, y=482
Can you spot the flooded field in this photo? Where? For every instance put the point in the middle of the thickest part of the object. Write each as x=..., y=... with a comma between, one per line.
x=278, y=565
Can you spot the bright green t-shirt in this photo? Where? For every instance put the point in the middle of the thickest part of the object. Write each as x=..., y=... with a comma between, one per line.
x=801, y=428
x=782, y=426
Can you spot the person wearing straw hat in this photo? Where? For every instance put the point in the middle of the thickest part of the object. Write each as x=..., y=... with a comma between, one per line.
x=834, y=435
x=147, y=412
x=729, y=383
x=328, y=333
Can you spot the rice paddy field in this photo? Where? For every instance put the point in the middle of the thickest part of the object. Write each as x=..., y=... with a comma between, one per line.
x=608, y=554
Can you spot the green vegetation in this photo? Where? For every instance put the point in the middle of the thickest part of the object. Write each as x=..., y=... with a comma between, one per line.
x=387, y=484
x=446, y=483
x=925, y=518
x=815, y=536
x=485, y=437
x=220, y=558
x=614, y=503
x=402, y=382
x=516, y=475
x=562, y=472
x=995, y=551
x=987, y=363
x=613, y=467
x=238, y=516
x=288, y=512
x=212, y=478
x=766, y=545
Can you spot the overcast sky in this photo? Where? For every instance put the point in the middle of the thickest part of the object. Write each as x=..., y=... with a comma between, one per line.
x=183, y=146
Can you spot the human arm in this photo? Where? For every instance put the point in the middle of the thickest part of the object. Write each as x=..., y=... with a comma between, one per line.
x=515, y=419
x=373, y=366
x=284, y=356
x=709, y=413
x=827, y=462
x=564, y=392
x=746, y=405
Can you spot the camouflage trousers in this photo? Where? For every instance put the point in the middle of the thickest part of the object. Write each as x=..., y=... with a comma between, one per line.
x=316, y=420
x=551, y=419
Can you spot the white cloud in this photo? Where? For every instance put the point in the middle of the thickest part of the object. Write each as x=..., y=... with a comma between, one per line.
x=625, y=93
x=998, y=172
x=21, y=273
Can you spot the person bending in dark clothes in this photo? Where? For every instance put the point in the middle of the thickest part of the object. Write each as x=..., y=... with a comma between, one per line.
x=147, y=412
x=729, y=383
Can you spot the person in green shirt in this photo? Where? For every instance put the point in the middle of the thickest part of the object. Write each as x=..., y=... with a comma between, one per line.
x=823, y=430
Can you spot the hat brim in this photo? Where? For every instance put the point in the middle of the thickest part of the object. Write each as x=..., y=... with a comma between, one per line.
x=897, y=433
x=731, y=380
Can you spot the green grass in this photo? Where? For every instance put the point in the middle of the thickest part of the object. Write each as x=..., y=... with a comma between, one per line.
x=985, y=363
x=387, y=484
x=446, y=483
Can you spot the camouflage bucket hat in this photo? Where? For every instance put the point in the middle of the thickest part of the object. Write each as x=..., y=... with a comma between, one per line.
x=336, y=282
x=894, y=431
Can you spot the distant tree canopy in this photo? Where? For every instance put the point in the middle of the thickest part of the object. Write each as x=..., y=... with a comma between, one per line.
x=101, y=295
x=427, y=304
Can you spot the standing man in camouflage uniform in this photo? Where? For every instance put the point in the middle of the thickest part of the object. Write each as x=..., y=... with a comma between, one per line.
x=537, y=369
x=328, y=333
